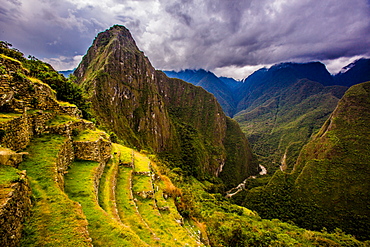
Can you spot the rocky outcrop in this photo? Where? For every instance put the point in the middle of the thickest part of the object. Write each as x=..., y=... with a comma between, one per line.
x=19, y=91
x=14, y=208
x=10, y=158
x=121, y=81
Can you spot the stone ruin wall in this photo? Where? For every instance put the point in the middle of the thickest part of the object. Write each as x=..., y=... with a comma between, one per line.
x=14, y=208
x=17, y=133
x=64, y=160
x=99, y=150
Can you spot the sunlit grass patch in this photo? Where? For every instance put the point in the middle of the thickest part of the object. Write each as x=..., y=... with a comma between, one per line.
x=55, y=219
x=141, y=162
x=61, y=119
x=5, y=117
x=104, y=230
x=8, y=174
x=90, y=135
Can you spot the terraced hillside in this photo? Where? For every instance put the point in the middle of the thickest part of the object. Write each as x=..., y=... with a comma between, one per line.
x=127, y=208
x=103, y=195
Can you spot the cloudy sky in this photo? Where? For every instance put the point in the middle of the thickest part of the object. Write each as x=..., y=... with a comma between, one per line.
x=228, y=37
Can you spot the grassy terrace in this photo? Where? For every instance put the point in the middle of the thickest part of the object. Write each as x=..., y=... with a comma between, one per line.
x=5, y=117
x=106, y=195
x=173, y=219
x=126, y=206
x=104, y=230
x=61, y=119
x=55, y=219
x=141, y=162
x=167, y=230
x=90, y=135
x=8, y=175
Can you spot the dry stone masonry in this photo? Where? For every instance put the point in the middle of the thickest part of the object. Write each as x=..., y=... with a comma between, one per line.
x=14, y=208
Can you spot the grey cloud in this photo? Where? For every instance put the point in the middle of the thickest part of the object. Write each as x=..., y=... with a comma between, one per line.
x=206, y=34
x=180, y=10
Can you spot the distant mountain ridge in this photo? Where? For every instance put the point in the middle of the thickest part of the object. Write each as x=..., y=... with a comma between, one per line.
x=354, y=73
x=235, y=96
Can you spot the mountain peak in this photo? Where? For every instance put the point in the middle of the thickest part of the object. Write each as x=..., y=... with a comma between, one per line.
x=118, y=33
x=354, y=73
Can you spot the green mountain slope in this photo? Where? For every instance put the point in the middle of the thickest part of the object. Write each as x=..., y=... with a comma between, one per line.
x=283, y=119
x=329, y=183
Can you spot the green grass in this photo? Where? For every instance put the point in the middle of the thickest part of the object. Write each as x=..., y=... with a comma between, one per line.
x=104, y=230
x=55, y=219
x=142, y=183
x=61, y=119
x=141, y=162
x=165, y=227
x=173, y=219
x=163, y=223
x=107, y=187
x=90, y=135
x=125, y=201
x=37, y=81
x=62, y=103
x=8, y=174
x=150, y=214
x=5, y=117
x=106, y=190
x=12, y=59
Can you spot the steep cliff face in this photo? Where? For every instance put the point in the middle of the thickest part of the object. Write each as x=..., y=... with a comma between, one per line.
x=148, y=110
x=207, y=137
